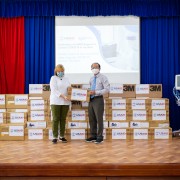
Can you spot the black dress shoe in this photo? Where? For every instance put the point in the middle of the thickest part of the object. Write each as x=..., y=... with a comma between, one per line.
x=54, y=141
x=91, y=139
x=98, y=141
x=63, y=140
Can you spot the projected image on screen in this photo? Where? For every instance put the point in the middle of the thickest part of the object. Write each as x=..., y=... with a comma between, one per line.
x=113, y=42
x=114, y=47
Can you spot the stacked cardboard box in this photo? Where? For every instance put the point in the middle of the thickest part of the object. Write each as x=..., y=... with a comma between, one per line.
x=77, y=104
x=118, y=119
x=131, y=112
x=35, y=134
x=13, y=132
x=38, y=105
x=76, y=94
x=77, y=119
x=39, y=91
x=149, y=90
x=122, y=90
x=2, y=101
x=14, y=119
x=2, y=108
x=159, y=118
x=37, y=118
x=144, y=109
x=138, y=113
x=16, y=101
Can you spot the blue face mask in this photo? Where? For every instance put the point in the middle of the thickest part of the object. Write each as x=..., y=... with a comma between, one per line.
x=60, y=74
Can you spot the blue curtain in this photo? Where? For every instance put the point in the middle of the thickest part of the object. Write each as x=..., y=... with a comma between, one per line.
x=39, y=50
x=142, y=8
x=160, y=58
x=160, y=36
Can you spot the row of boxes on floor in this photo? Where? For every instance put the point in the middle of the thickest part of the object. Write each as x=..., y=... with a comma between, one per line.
x=134, y=117
x=123, y=119
x=130, y=118
x=19, y=132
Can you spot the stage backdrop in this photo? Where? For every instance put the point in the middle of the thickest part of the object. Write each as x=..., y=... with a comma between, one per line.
x=160, y=38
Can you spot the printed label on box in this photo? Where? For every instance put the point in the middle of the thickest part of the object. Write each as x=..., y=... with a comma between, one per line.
x=17, y=117
x=116, y=88
x=73, y=124
x=85, y=104
x=159, y=115
x=35, y=89
x=104, y=133
x=138, y=104
x=2, y=99
x=4, y=133
x=78, y=134
x=37, y=116
x=164, y=125
x=2, y=110
x=139, y=124
x=20, y=100
x=118, y=124
x=37, y=104
x=77, y=125
x=118, y=114
x=50, y=134
x=158, y=104
x=118, y=104
x=16, y=130
x=139, y=115
x=124, y=125
x=51, y=116
x=105, y=124
x=35, y=134
x=142, y=88
x=21, y=110
x=104, y=116
x=79, y=94
x=36, y=124
x=161, y=133
x=35, y=98
x=140, y=134
x=86, y=86
x=118, y=133
x=1, y=118
x=78, y=115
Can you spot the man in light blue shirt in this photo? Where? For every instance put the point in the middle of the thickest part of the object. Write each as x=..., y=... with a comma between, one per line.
x=99, y=86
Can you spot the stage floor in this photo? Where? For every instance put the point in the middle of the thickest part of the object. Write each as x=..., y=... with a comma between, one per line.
x=79, y=158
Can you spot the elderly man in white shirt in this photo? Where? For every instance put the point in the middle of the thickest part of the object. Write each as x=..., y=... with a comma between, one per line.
x=99, y=86
x=59, y=102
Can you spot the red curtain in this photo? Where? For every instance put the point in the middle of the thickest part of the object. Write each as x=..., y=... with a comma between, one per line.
x=12, y=64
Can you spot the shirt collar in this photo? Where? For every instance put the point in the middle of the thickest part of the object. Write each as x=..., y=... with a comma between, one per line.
x=97, y=75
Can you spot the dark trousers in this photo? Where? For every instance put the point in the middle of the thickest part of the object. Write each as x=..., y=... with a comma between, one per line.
x=59, y=113
x=96, y=111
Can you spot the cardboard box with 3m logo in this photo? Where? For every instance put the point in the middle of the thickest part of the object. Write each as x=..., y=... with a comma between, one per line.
x=149, y=90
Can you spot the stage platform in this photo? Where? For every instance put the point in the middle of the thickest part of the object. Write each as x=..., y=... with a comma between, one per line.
x=111, y=160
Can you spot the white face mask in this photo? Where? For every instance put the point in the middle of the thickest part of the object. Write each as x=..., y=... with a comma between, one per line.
x=95, y=71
